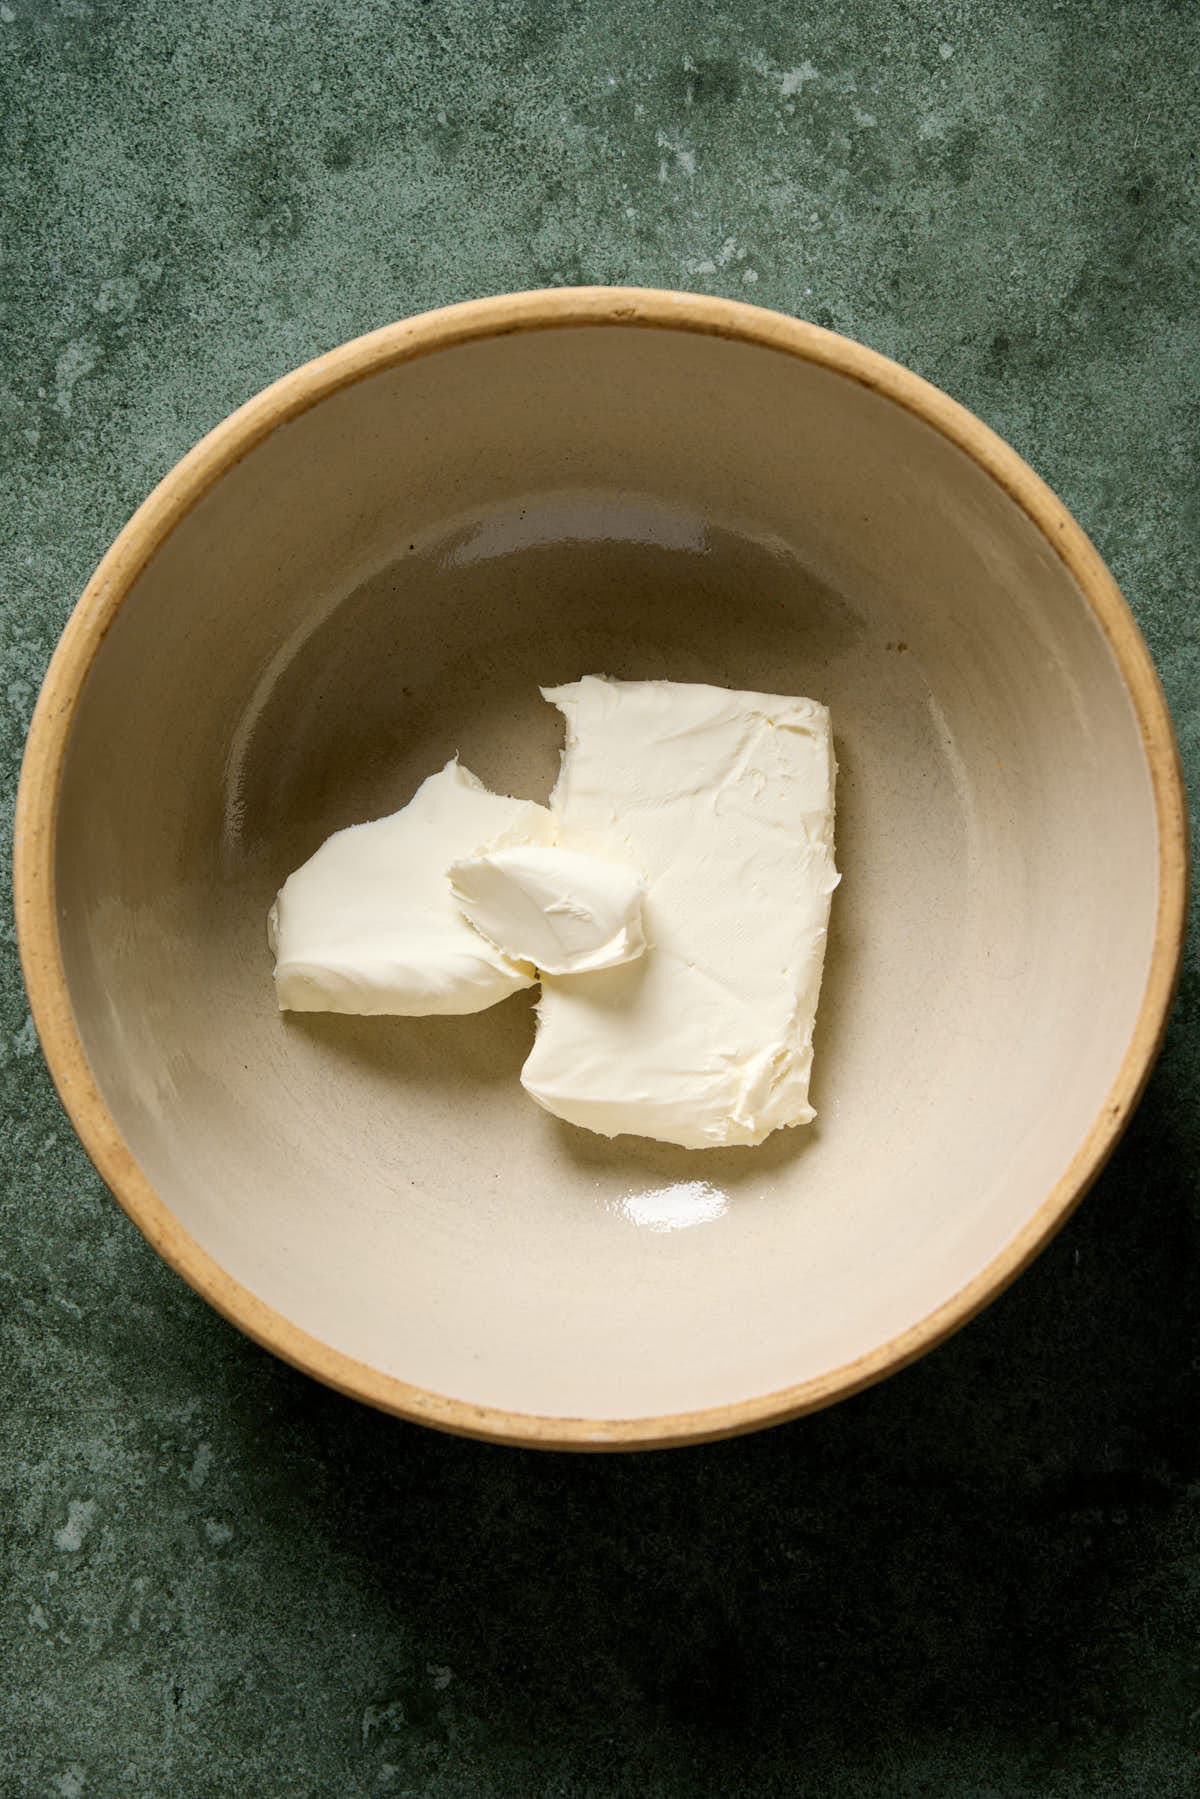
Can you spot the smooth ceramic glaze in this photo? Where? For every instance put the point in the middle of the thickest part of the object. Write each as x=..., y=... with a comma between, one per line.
x=374, y=565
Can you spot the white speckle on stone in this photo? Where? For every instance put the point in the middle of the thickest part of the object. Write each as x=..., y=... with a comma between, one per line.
x=77, y=360
x=439, y=1675
x=379, y=1718
x=20, y=696
x=946, y=51
x=80, y=1513
x=864, y=118
x=720, y=259
x=7, y=15
x=201, y=1463
x=639, y=111
x=631, y=212
x=217, y=1533
x=685, y=160
x=72, y=1782
x=749, y=277
x=38, y=1618
x=442, y=117
x=792, y=80
x=25, y=1041
x=119, y=294
x=139, y=1585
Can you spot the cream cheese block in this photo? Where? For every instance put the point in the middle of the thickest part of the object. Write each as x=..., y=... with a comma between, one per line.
x=723, y=802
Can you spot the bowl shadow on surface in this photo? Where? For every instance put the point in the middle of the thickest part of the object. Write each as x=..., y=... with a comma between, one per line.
x=959, y=1554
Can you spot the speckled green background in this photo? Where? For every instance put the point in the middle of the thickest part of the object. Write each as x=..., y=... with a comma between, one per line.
x=981, y=1580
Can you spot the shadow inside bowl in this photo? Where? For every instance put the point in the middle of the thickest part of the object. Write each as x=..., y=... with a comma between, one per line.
x=668, y=1165
x=482, y=1049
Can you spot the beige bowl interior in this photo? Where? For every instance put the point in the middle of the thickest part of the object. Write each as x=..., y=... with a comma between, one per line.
x=386, y=580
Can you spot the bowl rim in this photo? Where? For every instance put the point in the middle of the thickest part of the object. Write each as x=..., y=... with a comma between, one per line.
x=173, y=499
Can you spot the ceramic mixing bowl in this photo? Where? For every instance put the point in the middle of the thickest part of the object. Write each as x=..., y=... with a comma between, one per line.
x=375, y=564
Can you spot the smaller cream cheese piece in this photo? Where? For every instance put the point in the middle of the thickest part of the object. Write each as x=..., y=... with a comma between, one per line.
x=565, y=912
x=369, y=924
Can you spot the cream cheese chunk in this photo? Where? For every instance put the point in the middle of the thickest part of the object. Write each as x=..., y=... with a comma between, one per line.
x=724, y=802
x=369, y=923
x=566, y=913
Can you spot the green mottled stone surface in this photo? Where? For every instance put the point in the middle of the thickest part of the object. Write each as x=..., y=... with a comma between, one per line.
x=980, y=1580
